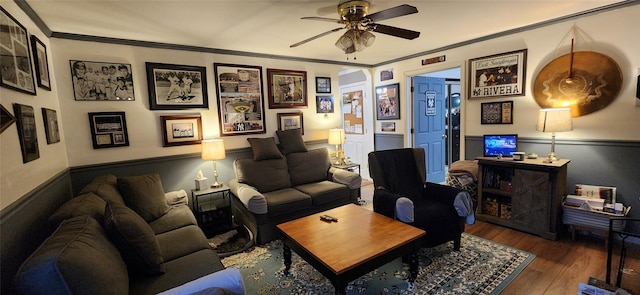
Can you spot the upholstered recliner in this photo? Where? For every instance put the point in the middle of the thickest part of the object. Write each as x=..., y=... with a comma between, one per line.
x=401, y=192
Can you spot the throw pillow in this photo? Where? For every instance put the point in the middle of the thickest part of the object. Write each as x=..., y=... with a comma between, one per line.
x=134, y=238
x=86, y=204
x=264, y=148
x=291, y=141
x=145, y=195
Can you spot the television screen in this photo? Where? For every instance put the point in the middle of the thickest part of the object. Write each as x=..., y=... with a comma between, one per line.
x=500, y=144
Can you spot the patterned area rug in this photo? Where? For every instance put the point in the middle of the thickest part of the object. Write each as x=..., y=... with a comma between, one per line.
x=481, y=267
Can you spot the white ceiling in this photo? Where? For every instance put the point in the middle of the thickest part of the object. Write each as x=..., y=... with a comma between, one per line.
x=270, y=26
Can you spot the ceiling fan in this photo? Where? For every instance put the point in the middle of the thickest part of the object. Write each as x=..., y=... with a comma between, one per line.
x=354, y=15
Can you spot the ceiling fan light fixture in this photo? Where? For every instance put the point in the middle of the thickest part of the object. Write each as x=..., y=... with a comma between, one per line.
x=367, y=38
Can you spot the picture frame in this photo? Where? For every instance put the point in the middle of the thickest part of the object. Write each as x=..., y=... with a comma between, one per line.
x=388, y=102
x=41, y=63
x=324, y=104
x=388, y=126
x=287, y=121
x=287, y=89
x=176, y=87
x=51, y=125
x=499, y=75
x=181, y=130
x=496, y=112
x=15, y=56
x=101, y=81
x=108, y=129
x=240, y=99
x=6, y=119
x=323, y=85
x=27, y=132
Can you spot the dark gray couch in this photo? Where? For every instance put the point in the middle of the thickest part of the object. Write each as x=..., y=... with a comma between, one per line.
x=277, y=189
x=107, y=242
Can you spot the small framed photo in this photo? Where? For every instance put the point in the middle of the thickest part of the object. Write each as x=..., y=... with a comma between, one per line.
x=388, y=126
x=181, y=130
x=100, y=81
x=388, y=102
x=26, y=121
x=498, y=75
x=497, y=112
x=176, y=87
x=108, y=129
x=323, y=85
x=41, y=63
x=51, y=125
x=15, y=58
x=6, y=119
x=288, y=121
x=324, y=104
x=287, y=89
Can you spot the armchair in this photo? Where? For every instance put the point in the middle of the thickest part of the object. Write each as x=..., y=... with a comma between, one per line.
x=402, y=193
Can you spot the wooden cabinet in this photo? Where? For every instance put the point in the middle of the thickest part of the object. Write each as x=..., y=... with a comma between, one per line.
x=524, y=195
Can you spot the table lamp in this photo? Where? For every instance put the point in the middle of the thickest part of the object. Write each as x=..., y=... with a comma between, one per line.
x=554, y=120
x=336, y=136
x=213, y=149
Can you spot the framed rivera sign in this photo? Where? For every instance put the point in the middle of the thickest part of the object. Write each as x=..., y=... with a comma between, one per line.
x=240, y=100
x=15, y=58
x=176, y=87
x=498, y=75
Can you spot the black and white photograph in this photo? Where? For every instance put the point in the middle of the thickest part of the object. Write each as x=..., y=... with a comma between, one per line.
x=240, y=100
x=15, y=58
x=26, y=121
x=323, y=85
x=41, y=63
x=181, y=130
x=176, y=87
x=108, y=129
x=324, y=104
x=101, y=81
x=498, y=75
x=51, y=125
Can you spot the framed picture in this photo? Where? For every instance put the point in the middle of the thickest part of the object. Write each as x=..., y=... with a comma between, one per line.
x=497, y=112
x=41, y=63
x=388, y=102
x=324, y=104
x=288, y=121
x=498, y=75
x=181, y=130
x=108, y=129
x=287, y=89
x=6, y=119
x=26, y=121
x=94, y=81
x=388, y=126
x=323, y=85
x=15, y=58
x=176, y=87
x=51, y=125
x=240, y=100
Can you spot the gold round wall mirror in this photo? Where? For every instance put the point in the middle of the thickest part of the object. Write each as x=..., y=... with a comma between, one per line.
x=584, y=81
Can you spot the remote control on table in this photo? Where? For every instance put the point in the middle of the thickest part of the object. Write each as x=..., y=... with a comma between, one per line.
x=328, y=218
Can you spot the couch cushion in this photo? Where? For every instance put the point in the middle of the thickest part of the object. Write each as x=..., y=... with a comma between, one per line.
x=264, y=148
x=145, y=195
x=291, y=141
x=285, y=201
x=76, y=259
x=86, y=204
x=173, y=245
x=311, y=166
x=324, y=191
x=265, y=176
x=178, y=216
x=106, y=187
x=134, y=239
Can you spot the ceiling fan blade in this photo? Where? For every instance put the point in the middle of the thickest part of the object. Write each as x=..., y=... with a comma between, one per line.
x=324, y=19
x=392, y=12
x=315, y=37
x=394, y=31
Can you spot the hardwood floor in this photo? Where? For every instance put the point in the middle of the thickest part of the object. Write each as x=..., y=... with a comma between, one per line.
x=559, y=265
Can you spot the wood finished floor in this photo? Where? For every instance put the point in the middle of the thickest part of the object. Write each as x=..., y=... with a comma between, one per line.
x=559, y=265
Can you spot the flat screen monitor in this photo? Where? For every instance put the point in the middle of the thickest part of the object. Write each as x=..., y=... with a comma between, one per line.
x=500, y=144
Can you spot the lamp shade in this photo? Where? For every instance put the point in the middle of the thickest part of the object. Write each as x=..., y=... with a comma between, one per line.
x=213, y=149
x=336, y=136
x=554, y=120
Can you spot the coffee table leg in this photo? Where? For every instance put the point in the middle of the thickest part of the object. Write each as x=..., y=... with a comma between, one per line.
x=413, y=266
x=286, y=252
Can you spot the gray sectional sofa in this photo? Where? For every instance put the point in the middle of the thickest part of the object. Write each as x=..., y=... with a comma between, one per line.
x=121, y=236
x=286, y=182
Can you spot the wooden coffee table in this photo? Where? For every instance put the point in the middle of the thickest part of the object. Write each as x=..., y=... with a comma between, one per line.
x=359, y=242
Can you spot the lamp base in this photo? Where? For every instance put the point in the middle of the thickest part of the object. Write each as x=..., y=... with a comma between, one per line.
x=551, y=157
x=216, y=184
